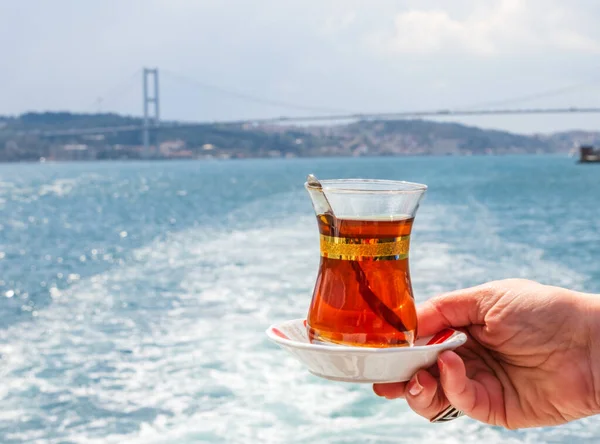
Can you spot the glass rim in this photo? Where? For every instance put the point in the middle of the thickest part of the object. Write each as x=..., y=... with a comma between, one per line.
x=393, y=186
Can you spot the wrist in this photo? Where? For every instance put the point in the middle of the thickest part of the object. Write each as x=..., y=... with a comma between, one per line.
x=590, y=306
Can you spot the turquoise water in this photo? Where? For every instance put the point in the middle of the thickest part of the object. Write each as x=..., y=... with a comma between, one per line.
x=134, y=296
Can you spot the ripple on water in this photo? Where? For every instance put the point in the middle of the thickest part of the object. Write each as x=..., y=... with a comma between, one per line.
x=165, y=342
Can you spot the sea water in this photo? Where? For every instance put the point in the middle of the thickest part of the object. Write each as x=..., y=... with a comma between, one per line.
x=134, y=295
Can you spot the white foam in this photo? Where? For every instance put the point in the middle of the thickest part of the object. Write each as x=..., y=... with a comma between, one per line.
x=176, y=337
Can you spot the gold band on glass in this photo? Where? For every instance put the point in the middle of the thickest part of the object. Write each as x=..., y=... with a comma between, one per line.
x=354, y=249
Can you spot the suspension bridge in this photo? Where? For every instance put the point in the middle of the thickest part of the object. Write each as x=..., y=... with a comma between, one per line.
x=151, y=111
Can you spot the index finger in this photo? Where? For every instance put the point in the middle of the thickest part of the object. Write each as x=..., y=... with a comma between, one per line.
x=460, y=308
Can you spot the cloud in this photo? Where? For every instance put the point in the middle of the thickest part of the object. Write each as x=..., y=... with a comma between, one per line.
x=337, y=23
x=317, y=53
x=501, y=27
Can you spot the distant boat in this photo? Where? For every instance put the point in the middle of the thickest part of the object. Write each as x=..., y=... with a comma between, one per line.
x=587, y=154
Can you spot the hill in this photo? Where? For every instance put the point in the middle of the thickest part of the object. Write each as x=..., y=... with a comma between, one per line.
x=364, y=138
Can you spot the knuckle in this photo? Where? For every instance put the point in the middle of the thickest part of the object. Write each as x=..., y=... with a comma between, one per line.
x=514, y=282
x=488, y=289
x=503, y=287
x=425, y=410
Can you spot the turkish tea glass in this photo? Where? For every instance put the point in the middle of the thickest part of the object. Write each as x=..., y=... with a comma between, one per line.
x=363, y=294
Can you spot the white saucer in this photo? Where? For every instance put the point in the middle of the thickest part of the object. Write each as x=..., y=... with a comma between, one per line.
x=362, y=364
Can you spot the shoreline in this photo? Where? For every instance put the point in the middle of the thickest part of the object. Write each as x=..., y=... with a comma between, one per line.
x=282, y=158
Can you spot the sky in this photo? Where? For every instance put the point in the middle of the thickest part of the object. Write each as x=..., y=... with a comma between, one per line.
x=304, y=57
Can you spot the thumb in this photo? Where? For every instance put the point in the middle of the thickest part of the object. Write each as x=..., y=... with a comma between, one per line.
x=460, y=308
x=463, y=393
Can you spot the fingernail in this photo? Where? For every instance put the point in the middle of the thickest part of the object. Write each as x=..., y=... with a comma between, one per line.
x=414, y=388
x=441, y=364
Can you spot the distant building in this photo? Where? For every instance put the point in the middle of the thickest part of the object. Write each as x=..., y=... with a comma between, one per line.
x=72, y=151
x=169, y=147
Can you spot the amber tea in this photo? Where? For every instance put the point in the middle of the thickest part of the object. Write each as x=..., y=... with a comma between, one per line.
x=363, y=293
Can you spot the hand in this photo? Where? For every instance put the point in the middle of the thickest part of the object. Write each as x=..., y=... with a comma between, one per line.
x=529, y=360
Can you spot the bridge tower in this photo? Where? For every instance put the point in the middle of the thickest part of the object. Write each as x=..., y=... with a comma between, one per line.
x=151, y=106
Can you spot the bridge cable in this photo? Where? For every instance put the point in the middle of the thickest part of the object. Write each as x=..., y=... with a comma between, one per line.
x=252, y=98
x=117, y=88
